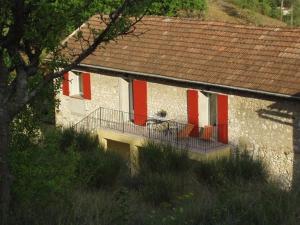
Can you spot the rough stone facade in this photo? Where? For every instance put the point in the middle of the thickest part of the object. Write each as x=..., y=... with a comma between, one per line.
x=169, y=98
x=270, y=130
x=105, y=93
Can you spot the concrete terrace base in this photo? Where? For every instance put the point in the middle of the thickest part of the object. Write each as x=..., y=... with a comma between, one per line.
x=128, y=146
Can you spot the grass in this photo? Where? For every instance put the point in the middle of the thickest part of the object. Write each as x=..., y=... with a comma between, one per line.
x=169, y=190
x=228, y=11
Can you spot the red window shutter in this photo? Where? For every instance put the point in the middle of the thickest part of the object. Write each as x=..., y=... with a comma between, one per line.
x=65, y=85
x=86, y=86
x=223, y=119
x=192, y=109
x=140, y=102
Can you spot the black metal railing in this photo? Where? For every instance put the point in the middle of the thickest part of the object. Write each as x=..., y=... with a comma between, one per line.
x=167, y=131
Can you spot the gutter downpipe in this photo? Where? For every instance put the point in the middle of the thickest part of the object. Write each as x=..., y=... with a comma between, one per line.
x=189, y=81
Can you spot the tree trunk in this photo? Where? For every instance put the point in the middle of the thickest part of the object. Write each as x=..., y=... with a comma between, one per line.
x=5, y=178
x=281, y=10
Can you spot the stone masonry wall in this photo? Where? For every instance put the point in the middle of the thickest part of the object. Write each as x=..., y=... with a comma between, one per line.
x=269, y=130
x=105, y=93
x=169, y=98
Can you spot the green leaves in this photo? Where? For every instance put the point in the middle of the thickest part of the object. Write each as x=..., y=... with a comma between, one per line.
x=172, y=7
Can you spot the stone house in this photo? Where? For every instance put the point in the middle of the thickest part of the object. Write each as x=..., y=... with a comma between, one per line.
x=238, y=85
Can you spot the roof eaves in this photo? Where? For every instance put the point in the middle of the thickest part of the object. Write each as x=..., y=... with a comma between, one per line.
x=192, y=82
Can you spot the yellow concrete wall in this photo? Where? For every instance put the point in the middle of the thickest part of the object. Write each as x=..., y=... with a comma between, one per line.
x=113, y=139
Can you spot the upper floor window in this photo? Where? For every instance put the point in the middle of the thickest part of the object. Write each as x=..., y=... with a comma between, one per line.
x=77, y=84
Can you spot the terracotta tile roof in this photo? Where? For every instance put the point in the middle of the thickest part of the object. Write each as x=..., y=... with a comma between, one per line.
x=256, y=58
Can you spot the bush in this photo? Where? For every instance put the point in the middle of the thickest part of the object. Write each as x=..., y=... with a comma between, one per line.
x=86, y=142
x=47, y=172
x=237, y=168
x=99, y=208
x=173, y=7
x=81, y=141
x=67, y=138
x=42, y=178
x=209, y=172
x=162, y=172
x=99, y=168
x=160, y=188
x=159, y=158
x=259, y=204
x=263, y=204
x=265, y=7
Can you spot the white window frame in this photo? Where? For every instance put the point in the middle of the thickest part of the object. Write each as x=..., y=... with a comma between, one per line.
x=76, y=84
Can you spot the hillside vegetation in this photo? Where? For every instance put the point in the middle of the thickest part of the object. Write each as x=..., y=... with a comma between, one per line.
x=231, y=11
x=67, y=178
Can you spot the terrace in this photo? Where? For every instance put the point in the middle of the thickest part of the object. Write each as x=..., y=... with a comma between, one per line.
x=181, y=135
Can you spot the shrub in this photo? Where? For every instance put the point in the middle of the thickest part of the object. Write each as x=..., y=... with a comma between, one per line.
x=265, y=7
x=159, y=188
x=263, y=204
x=209, y=172
x=101, y=207
x=259, y=204
x=99, y=168
x=67, y=138
x=47, y=172
x=86, y=142
x=237, y=168
x=42, y=178
x=82, y=141
x=162, y=158
x=173, y=7
x=162, y=172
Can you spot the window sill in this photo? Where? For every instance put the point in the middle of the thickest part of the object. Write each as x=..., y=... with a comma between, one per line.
x=77, y=97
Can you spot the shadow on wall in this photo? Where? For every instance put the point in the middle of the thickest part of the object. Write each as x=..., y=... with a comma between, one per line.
x=287, y=113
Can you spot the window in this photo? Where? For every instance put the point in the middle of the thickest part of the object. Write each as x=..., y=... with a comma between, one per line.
x=76, y=84
x=80, y=84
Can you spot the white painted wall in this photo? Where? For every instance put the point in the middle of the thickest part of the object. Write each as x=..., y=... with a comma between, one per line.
x=124, y=97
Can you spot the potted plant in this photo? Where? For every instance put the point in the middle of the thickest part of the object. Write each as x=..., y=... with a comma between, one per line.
x=162, y=113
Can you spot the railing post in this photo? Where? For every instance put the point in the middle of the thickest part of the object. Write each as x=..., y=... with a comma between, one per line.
x=123, y=123
x=177, y=139
x=87, y=123
x=149, y=129
x=100, y=117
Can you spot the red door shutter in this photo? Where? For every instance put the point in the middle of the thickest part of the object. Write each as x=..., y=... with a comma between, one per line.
x=140, y=102
x=65, y=85
x=86, y=85
x=223, y=119
x=192, y=109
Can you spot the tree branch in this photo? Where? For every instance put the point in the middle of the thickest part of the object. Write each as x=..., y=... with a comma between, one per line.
x=4, y=72
x=16, y=30
x=104, y=36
